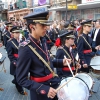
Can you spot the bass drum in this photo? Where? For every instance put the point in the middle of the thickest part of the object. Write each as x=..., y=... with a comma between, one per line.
x=53, y=50
x=86, y=78
x=76, y=89
x=95, y=64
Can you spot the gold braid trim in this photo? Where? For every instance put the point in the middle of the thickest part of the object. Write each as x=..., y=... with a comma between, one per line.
x=7, y=36
x=87, y=42
x=14, y=44
x=33, y=49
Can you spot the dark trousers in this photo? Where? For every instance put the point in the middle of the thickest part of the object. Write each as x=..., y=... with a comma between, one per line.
x=19, y=88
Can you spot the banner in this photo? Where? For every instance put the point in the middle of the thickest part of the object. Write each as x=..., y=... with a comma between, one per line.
x=41, y=2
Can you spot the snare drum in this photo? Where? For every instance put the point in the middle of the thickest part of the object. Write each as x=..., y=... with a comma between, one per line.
x=76, y=89
x=53, y=50
x=95, y=64
x=86, y=78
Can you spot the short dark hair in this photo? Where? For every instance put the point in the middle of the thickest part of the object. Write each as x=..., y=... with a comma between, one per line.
x=29, y=25
x=64, y=39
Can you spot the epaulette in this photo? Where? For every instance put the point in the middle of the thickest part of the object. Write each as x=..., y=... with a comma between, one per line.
x=26, y=42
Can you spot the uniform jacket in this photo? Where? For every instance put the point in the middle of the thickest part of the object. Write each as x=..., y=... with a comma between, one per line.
x=11, y=50
x=81, y=46
x=49, y=39
x=6, y=37
x=28, y=62
x=97, y=37
x=60, y=55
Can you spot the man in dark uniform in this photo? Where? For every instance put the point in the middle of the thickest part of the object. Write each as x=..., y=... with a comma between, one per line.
x=7, y=34
x=12, y=50
x=67, y=40
x=49, y=38
x=34, y=59
x=84, y=46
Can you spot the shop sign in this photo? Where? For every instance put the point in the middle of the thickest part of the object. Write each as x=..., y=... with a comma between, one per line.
x=73, y=7
x=38, y=10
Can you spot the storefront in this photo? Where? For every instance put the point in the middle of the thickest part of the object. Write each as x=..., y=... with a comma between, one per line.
x=89, y=9
x=18, y=14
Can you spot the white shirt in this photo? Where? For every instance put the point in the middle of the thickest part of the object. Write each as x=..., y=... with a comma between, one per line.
x=95, y=35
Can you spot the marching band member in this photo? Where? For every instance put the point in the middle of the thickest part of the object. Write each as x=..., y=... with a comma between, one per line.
x=43, y=81
x=84, y=46
x=7, y=34
x=67, y=40
x=12, y=50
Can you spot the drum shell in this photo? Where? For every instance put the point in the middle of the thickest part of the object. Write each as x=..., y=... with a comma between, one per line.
x=79, y=90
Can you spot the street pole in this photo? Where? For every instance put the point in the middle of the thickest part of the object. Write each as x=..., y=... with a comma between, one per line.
x=66, y=10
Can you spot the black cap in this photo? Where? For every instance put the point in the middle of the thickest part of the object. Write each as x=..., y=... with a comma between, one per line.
x=41, y=18
x=67, y=35
x=87, y=22
x=8, y=23
x=94, y=20
x=15, y=29
x=71, y=26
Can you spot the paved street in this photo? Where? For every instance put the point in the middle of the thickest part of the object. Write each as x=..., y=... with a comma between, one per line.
x=10, y=92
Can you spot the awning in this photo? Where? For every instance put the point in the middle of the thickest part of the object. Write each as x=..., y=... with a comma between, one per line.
x=80, y=6
x=89, y=5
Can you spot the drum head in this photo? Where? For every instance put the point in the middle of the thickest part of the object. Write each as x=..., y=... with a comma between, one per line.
x=86, y=78
x=95, y=61
x=76, y=89
x=53, y=50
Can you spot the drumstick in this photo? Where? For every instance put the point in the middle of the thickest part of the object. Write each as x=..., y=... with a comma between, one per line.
x=69, y=66
x=65, y=83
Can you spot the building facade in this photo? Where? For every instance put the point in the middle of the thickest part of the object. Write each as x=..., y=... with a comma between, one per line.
x=87, y=9
x=18, y=9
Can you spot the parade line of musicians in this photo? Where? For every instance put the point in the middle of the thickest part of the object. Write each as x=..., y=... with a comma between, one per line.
x=31, y=53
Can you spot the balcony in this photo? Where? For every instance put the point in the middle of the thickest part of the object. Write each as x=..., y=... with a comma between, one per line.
x=17, y=5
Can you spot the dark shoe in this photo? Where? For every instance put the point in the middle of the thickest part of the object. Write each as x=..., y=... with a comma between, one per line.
x=20, y=89
x=13, y=81
x=22, y=92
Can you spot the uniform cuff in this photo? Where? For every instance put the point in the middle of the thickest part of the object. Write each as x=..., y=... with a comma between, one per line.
x=43, y=89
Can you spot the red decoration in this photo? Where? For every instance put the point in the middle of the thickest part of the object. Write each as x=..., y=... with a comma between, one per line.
x=58, y=42
x=78, y=29
x=43, y=92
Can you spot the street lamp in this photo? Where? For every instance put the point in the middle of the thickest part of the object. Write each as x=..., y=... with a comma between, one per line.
x=66, y=10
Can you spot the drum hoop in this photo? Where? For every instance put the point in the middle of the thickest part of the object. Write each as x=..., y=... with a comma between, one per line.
x=88, y=75
x=84, y=82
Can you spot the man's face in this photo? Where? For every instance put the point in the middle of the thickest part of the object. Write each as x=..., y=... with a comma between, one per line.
x=97, y=25
x=40, y=29
x=9, y=27
x=16, y=34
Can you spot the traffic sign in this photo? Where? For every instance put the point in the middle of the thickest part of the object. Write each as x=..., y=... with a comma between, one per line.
x=72, y=7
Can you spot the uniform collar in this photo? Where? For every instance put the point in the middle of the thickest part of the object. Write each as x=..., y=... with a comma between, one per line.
x=35, y=40
x=66, y=47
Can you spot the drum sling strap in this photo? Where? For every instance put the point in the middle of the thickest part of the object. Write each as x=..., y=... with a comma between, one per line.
x=7, y=36
x=48, y=37
x=14, y=44
x=86, y=42
x=38, y=55
x=67, y=53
